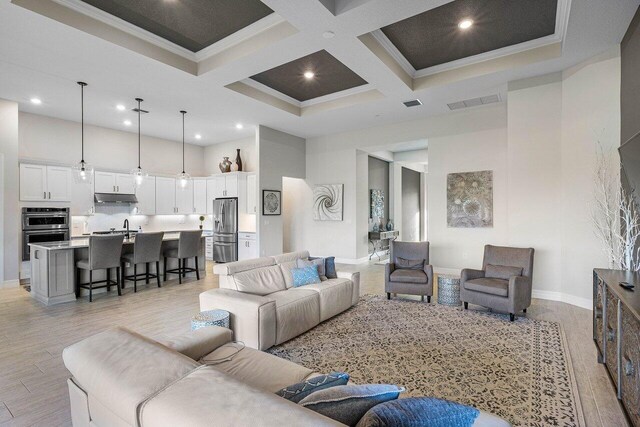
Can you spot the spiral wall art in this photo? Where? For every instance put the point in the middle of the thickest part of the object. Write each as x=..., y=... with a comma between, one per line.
x=327, y=202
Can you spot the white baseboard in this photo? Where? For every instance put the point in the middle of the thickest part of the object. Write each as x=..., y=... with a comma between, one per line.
x=441, y=270
x=10, y=283
x=562, y=297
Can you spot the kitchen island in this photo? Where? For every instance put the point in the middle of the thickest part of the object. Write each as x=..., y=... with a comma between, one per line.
x=53, y=266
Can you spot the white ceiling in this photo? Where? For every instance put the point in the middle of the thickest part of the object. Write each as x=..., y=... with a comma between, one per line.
x=44, y=58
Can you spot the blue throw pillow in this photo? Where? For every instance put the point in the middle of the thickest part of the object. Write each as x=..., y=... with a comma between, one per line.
x=419, y=411
x=305, y=276
x=299, y=391
x=330, y=267
x=348, y=403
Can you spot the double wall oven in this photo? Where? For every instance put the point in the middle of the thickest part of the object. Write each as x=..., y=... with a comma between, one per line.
x=40, y=225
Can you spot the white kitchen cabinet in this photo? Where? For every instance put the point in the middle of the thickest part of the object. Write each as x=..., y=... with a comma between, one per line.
x=211, y=194
x=226, y=185
x=146, y=195
x=115, y=183
x=40, y=182
x=252, y=199
x=247, y=246
x=184, y=197
x=81, y=199
x=165, y=196
x=200, y=196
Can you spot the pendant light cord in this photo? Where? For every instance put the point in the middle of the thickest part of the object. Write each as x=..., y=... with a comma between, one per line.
x=138, y=99
x=82, y=85
x=183, y=113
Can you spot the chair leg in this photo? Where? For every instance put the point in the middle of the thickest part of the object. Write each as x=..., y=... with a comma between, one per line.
x=512, y=317
x=428, y=299
x=179, y=271
x=158, y=273
x=524, y=311
x=123, y=274
x=90, y=285
x=135, y=278
x=165, y=269
x=388, y=295
x=422, y=298
x=184, y=268
x=466, y=305
x=118, y=281
x=197, y=270
x=146, y=270
x=78, y=273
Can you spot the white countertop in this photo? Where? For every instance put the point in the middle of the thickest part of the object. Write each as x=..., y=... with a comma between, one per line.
x=78, y=243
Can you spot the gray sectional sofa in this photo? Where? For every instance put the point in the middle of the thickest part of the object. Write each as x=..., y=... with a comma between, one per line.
x=265, y=309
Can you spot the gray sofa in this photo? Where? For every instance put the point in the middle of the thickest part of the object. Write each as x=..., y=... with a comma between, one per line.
x=408, y=281
x=123, y=379
x=503, y=284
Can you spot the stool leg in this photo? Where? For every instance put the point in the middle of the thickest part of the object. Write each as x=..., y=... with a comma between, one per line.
x=158, y=273
x=123, y=273
x=135, y=278
x=90, y=285
x=108, y=280
x=78, y=272
x=165, y=269
x=146, y=270
x=118, y=281
x=184, y=268
x=197, y=270
x=179, y=271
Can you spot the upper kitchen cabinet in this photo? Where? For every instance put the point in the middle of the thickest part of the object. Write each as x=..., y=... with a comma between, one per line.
x=146, y=195
x=252, y=199
x=211, y=194
x=184, y=198
x=40, y=182
x=226, y=185
x=200, y=196
x=165, y=196
x=109, y=182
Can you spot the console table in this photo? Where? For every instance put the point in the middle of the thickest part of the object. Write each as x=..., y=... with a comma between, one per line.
x=376, y=238
x=616, y=332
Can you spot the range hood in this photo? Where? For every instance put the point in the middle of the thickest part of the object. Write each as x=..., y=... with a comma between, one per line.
x=115, y=198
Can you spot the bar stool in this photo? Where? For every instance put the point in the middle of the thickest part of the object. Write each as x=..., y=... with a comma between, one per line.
x=104, y=254
x=147, y=248
x=188, y=247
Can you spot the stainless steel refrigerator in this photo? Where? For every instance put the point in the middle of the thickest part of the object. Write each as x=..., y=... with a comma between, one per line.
x=225, y=230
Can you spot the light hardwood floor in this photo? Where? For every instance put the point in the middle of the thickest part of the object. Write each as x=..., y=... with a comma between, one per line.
x=33, y=388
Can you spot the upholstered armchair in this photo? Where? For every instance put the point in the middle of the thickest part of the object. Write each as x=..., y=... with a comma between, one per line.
x=408, y=270
x=503, y=284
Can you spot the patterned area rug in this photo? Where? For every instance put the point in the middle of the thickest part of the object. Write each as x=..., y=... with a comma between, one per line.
x=520, y=371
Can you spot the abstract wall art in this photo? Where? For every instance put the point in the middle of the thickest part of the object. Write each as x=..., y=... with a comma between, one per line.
x=470, y=199
x=377, y=204
x=327, y=202
x=271, y=202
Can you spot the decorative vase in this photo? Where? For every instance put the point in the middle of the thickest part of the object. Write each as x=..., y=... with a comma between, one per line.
x=238, y=160
x=234, y=167
x=389, y=225
x=200, y=226
x=381, y=226
x=376, y=227
x=225, y=165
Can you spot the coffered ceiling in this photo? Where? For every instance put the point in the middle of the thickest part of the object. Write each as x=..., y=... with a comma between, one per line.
x=248, y=71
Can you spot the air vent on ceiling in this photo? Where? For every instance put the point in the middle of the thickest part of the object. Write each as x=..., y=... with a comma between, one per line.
x=412, y=103
x=483, y=100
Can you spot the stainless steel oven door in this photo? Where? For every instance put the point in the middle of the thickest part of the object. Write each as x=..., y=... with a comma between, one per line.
x=45, y=221
x=41, y=236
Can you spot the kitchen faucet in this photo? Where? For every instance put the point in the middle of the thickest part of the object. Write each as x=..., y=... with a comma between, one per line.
x=126, y=225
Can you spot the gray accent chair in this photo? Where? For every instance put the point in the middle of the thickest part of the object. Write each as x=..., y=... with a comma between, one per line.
x=511, y=295
x=147, y=248
x=104, y=254
x=188, y=247
x=409, y=281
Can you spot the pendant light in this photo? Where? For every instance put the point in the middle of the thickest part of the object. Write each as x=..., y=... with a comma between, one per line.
x=82, y=171
x=183, y=178
x=139, y=174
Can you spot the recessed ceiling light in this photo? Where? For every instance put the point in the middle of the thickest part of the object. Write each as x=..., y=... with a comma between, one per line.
x=120, y=107
x=309, y=75
x=465, y=24
x=198, y=136
x=127, y=122
x=239, y=126
x=36, y=101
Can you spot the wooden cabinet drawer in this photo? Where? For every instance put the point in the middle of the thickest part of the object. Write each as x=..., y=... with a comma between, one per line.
x=598, y=332
x=630, y=365
x=611, y=335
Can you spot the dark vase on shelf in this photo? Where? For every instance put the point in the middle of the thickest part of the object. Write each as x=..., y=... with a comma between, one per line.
x=238, y=160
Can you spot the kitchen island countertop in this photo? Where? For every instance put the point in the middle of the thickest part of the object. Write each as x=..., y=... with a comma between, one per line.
x=83, y=242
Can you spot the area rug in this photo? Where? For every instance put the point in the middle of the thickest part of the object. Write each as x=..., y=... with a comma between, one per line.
x=519, y=371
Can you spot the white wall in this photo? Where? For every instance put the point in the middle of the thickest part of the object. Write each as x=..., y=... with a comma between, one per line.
x=10, y=215
x=53, y=140
x=213, y=155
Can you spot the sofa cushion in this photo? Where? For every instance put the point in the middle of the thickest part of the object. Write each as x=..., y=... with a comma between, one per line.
x=315, y=261
x=499, y=287
x=291, y=256
x=256, y=368
x=297, y=311
x=123, y=383
x=348, y=403
x=409, y=264
x=297, y=392
x=336, y=295
x=419, y=411
x=330, y=267
x=240, y=266
x=501, y=271
x=260, y=281
x=409, y=276
x=305, y=276
x=195, y=344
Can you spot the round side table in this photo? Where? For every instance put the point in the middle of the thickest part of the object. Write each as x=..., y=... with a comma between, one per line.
x=449, y=290
x=210, y=318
